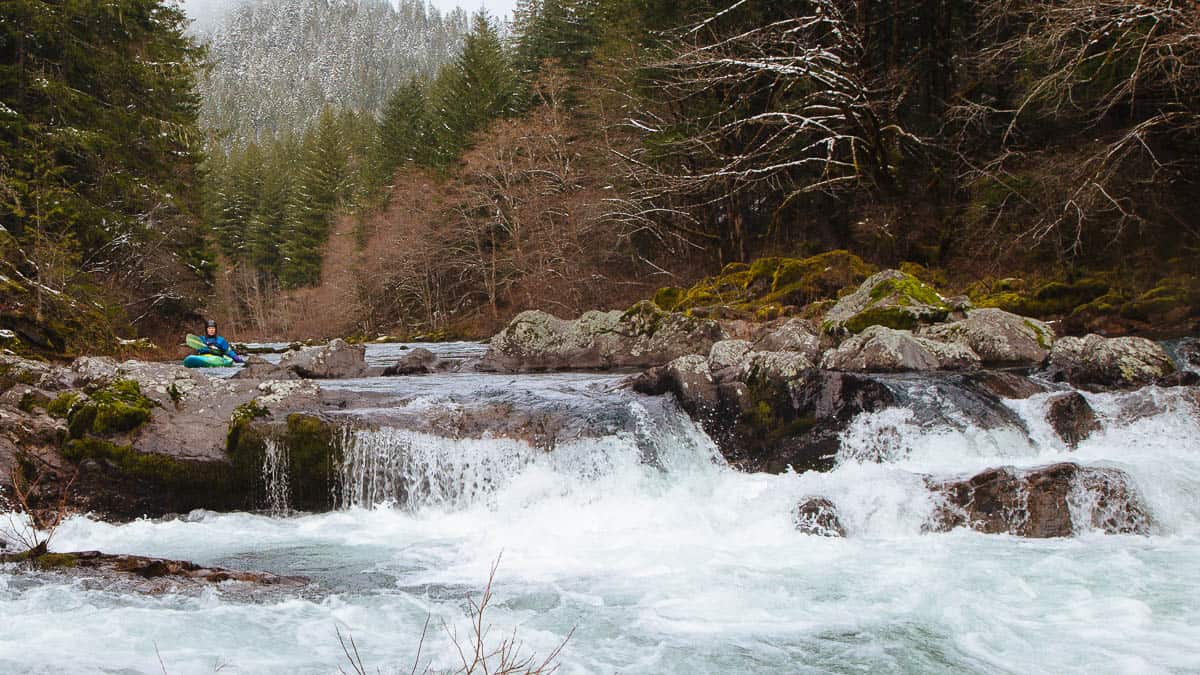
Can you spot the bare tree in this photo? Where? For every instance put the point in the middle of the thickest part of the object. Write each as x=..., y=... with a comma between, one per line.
x=781, y=108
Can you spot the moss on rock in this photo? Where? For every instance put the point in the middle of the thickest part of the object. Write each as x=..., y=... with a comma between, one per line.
x=117, y=408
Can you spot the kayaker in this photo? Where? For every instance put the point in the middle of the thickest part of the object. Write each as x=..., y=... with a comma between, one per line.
x=217, y=344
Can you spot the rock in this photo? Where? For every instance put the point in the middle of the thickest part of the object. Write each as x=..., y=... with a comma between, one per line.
x=890, y=298
x=419, y=361
x=1071, y=417
x=998, y=337
x=258, y=368
x=882, y=349
x=1188, y=351
x=1052, y=501
x=795, y=335
x=692, y=383
x=640, y=337
x=728, y=354
x=336, y=360
x=818, y=516
x=1099, y=362
x=151, y=575
x=774, y=368
x=1003, y=384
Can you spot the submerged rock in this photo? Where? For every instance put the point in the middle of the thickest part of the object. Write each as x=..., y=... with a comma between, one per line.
x=890, y=298
x=818, y=516
x=999, y=338
x=1071, y=417
x=882, y=349
x=1098, y=362
x=336, y=360
x=1051, y=501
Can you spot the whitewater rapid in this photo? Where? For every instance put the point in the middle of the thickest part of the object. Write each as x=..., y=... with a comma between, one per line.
x=662, y=559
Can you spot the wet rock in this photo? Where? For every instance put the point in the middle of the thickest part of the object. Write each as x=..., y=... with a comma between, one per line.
x=1188, y=351
x=336, y=360
x=1071, y=417
x=882, y=349
x=890, y=298
x=643, y=336
x=998, y=337
x=1098, y=362
x=419, y=361
x=153, y=575
x=1004, y=384
x=258, y=368
x=1052, y=501
x=818, y=516
x=795, y=335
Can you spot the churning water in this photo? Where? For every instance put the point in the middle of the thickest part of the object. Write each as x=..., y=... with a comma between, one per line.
x=659, y=556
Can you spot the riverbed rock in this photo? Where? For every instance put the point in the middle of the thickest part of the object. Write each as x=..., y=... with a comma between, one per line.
x=998, y=337
x=882, y=349
x=258, y=368
x=890, y=298
x=1101, y=363
x=818, y=516
x=795, y=335
x=151, y=575
x=1071, y=417
x=1052, y=501
x=418, y=361
x=336, y=360
x=643, y=336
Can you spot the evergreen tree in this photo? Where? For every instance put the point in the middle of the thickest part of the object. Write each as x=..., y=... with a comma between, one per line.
x=405, y=135
x=322, y=187
x=478, y=87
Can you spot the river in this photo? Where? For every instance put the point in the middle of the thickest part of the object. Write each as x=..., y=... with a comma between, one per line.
x=658, y=556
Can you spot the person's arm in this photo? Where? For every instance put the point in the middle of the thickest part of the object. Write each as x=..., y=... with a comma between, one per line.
x=228, y=350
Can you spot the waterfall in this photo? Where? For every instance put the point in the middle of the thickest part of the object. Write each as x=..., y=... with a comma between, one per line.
x=275, y=477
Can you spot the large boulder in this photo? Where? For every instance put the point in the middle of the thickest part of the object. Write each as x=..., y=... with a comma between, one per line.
x=998, y=337
x=882, y=349
x=1099, y=363
x=336, y=360
x=890, y=298
x=1071, y=417
x=818, y=516
x=641, y=337
x=1052, y=501
x=795, y=335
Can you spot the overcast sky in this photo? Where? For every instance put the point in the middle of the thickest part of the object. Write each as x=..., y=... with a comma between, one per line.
x=204, y=10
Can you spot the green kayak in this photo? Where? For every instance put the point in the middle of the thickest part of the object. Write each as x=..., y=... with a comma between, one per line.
x=208, y=361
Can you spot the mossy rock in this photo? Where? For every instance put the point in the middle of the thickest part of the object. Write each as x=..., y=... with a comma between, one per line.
x=891, y=299
x=61, y=406
x=925, y=274
x=668, y=298
x=56, y=561
x=644, y=318
x=313, y=451
x=117, y=408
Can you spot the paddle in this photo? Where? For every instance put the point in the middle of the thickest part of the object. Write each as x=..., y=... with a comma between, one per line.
x=196, y=343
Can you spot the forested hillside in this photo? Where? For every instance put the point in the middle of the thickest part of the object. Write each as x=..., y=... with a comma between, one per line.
x=99, y=147
x=277, y=63
x=1038, y=155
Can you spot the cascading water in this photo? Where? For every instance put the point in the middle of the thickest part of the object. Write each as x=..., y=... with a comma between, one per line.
x=628, y=528
x=276, y=478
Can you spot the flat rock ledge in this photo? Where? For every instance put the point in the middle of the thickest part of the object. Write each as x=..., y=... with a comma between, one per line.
x=151, y=575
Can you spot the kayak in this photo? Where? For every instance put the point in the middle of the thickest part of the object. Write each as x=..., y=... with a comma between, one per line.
x=208, y=361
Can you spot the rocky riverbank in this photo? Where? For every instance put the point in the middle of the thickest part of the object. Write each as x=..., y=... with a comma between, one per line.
x=129, y=439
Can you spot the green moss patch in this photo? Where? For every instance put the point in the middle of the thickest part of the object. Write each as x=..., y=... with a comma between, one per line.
x=114, y=409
